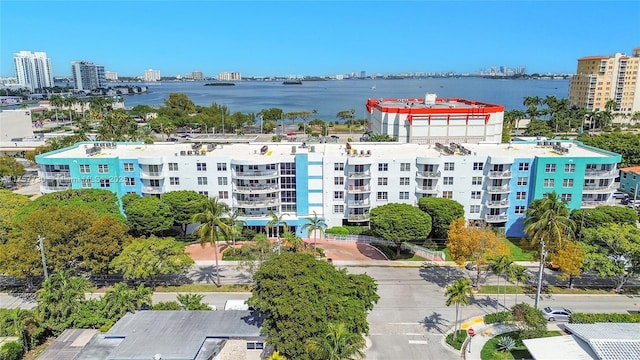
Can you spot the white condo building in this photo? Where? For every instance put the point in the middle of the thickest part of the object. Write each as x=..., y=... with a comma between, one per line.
x=111, y=76
x=87, y=76
x=151, y=75
x=33, y=70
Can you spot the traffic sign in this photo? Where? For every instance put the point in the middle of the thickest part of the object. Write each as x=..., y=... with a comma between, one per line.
x=471, y=332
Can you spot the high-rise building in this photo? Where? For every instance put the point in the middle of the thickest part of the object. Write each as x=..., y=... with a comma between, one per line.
x=112, y=76
x=33, y=70
x=197, y=75
x=87, y=76
x=229, y=76
x=151, y=75
x=600, y=79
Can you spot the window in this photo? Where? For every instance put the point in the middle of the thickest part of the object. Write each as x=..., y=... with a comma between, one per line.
x=154, y=182
x=404, y=181
x=569, y=168
x=201, y=166
x=447, y=194
x=474, y=209
x=404, y=195
x=222, y=180
x=382, y=195
x=128, y=167
x=202, y=180
x=86, y=183
x=567, y=183
x=478, y=166
x=447, y=180
x=548, y=183
x=84, y=169
x=566, y=197
x=223, y=194
x=523, y=181
x=449, y=166
x=105, y=183
x=222, y=166
x=338, y=180
x=550, y=168
x=205, y=193
x=129, y=181
x=521, y=195
x=173, y=166
x=405, y=166
x=174, y=180
x=338, y=195
x=476, y=180
x=383, y=167
x=338, y=209
x=519, y=209
x=338, y=166
x=382, y=181
x=476, y=194
x=103, y=168
x=523, y=166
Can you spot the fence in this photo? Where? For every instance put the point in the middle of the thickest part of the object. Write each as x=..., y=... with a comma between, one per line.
x=431, y=255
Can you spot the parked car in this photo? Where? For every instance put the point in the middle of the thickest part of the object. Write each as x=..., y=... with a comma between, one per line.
x=556, y=313
x=620, y=195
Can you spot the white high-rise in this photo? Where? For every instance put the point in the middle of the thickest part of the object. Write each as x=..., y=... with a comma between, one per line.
x=33, y=70
x=151, y=75
x=87, y=76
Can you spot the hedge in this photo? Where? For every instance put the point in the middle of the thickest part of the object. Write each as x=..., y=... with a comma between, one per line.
x=11, y=351
x=337, y=230
x=497, y=317
x=585, y=318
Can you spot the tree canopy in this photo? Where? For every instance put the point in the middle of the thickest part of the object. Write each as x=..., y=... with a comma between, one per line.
x=443, y=212
x=624, y=143
x=184, y=204
x=104, y=202
x=12, y=203
x=147, y=215
x=400, y=223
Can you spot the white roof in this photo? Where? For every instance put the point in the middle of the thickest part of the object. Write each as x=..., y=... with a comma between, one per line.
x=610, y=341
x=559, y=347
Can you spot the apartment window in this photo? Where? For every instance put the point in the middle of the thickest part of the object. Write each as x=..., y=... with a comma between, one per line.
x=404, y=195
x=129, y=181
x=383, y=167
x=566, y=197
x=474, y=209
x=222, y=166
x=338, y=166
x=223, y=194
x=253, y=167
x=154, y=182
x=128, y=167
x=86, y=183
x=103, y=168
x=476, y=195
x=382, y=196
x=202, y=180
x=205, y=193
x=567, y=183
x=449, y=166
x=222, y=180
x=405, y=166
x=550, y=168
x=84, y=169
x=338, y=180
x=174, y=181
x=447, y=180
x=521, y=195
x=338, y=195
x=519, y=209
x=382, y=181
x=338, y=209
x=105, y=183
x=569, y=168
x=405, y=181
x=523, y=181
x=270, y=166
x=173, y=166
x=447, y=194
x=201, y=166
x=478, y=166
x=549, y=183
x=476, y=180
x=523, y=166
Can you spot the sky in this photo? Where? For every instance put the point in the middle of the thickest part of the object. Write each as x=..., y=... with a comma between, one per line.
x=285, y=38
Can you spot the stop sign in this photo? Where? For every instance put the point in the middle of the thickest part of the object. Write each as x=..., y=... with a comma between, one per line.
x=471, y=332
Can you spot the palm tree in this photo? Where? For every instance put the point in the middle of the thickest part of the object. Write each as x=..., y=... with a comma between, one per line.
x=59, y=298
x=547, y=220
x=313, y=224
x=500, y=266
x=275, y=222
x=56, y=101
x=211, y=221
x=236, y=226
x=518, y=274
x=338, y=343
x=458, y=294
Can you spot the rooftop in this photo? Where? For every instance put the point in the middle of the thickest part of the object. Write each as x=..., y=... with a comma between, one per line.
x=631, y=169
x=610, y=341
x=431, y=103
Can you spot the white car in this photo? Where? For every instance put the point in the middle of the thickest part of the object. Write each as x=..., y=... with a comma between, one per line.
x=556, y=313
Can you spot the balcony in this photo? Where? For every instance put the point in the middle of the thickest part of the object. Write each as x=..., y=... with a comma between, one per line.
x=358, y=189
x=498, y=189
x=360, y=175
x=258, y=203
x=499, y=174
x=54, y=174
x=426, y=189
x=594, y=203
x=428, y=174
x=597, y=189
x=359, y=203
x=495, y=218
x=151, y=175
x=257, y=189
x=600, y=174
x=152, y=190
x=358, y=217
x=53, y=187
x=264, y=174
x=498, y=204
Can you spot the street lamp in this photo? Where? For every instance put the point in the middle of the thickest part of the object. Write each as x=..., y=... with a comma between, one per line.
x=543, y=255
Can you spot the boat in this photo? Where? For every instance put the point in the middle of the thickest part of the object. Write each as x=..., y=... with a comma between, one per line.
x=292, y=82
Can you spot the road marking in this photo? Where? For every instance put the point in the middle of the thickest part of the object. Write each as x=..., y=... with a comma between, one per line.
x=418, y=342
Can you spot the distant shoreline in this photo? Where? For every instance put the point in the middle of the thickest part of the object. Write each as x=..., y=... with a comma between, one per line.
x=220, y=84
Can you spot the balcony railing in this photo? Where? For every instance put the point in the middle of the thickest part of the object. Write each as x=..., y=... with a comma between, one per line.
x=593, y=203
x=495, y=218
x=151, y=175
x=54, y=174
x=428, y=174
x=257, y=188
x=598, y=189
x=360, y=175
x=600, y=173
x=256, y=174
x=499, y=174
x=498, y=189
x=359, y=203
x=51, y=188
x=358, y=217
x=498, y=204
x=152, y=189
x=426, y=189
x=359, y=189
x=258, y=203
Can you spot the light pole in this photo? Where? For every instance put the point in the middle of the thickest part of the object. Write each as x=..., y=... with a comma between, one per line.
x=40, y=247
x=543, y=255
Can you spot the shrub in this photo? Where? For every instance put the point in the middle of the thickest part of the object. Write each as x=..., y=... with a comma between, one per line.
x=456, y=339
x=11, y=351
x=358, y=230
x=337, y=230
x=497, y=317
x=505, y=344
x=583, y=318
x=167, y=305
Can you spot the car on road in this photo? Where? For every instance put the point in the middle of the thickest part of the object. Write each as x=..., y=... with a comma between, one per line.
x=556, y=313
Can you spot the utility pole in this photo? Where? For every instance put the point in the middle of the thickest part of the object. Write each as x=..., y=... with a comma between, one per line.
x=40, y=247
x=543, y=255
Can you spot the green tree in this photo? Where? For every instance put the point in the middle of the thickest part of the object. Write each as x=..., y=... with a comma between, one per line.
x=271, y=115
x=19, y=257
x=547, y=220
x=519, y=274
x=458, y=294
x=211, y=223
x=104, y=202
x=314, y=224
x=337, y=344
x=11, y=205
x=299, y=295
x=117, y=126
x=10, y=167
x=626, y=144
x=443, y=212
x=346, y=116
x=184, y=204
x=148, y=215
x=58, y=298
x=192, y=302
x=145, y=259
x=122, y=299
x=381, y=138
x=499, y=266
x=539, y=128
x=530, y=320
x=400, y=223
x=101, y=243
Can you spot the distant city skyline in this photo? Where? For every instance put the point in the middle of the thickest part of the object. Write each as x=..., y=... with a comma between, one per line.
x=266, y=38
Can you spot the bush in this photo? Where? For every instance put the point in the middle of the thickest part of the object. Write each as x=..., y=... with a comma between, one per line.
x=11, y=351
x=583, y=318
x=337, y=230
x=456, y=339
x=497, y=317
x=167, y=305
x=505, y=343
x=358, y=230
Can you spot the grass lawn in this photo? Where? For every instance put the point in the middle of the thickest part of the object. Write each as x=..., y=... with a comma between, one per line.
x=512, y=289
x=517, y=253
x=195, y=288
x=489, y=351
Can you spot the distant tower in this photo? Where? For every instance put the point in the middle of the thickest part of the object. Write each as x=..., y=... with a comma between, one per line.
x=151, y=75
x=33, y=70
x=87, y=76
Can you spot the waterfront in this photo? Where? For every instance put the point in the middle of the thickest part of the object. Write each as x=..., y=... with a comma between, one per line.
x=331, y=97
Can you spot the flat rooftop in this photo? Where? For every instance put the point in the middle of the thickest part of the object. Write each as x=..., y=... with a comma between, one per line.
x=430, y=102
